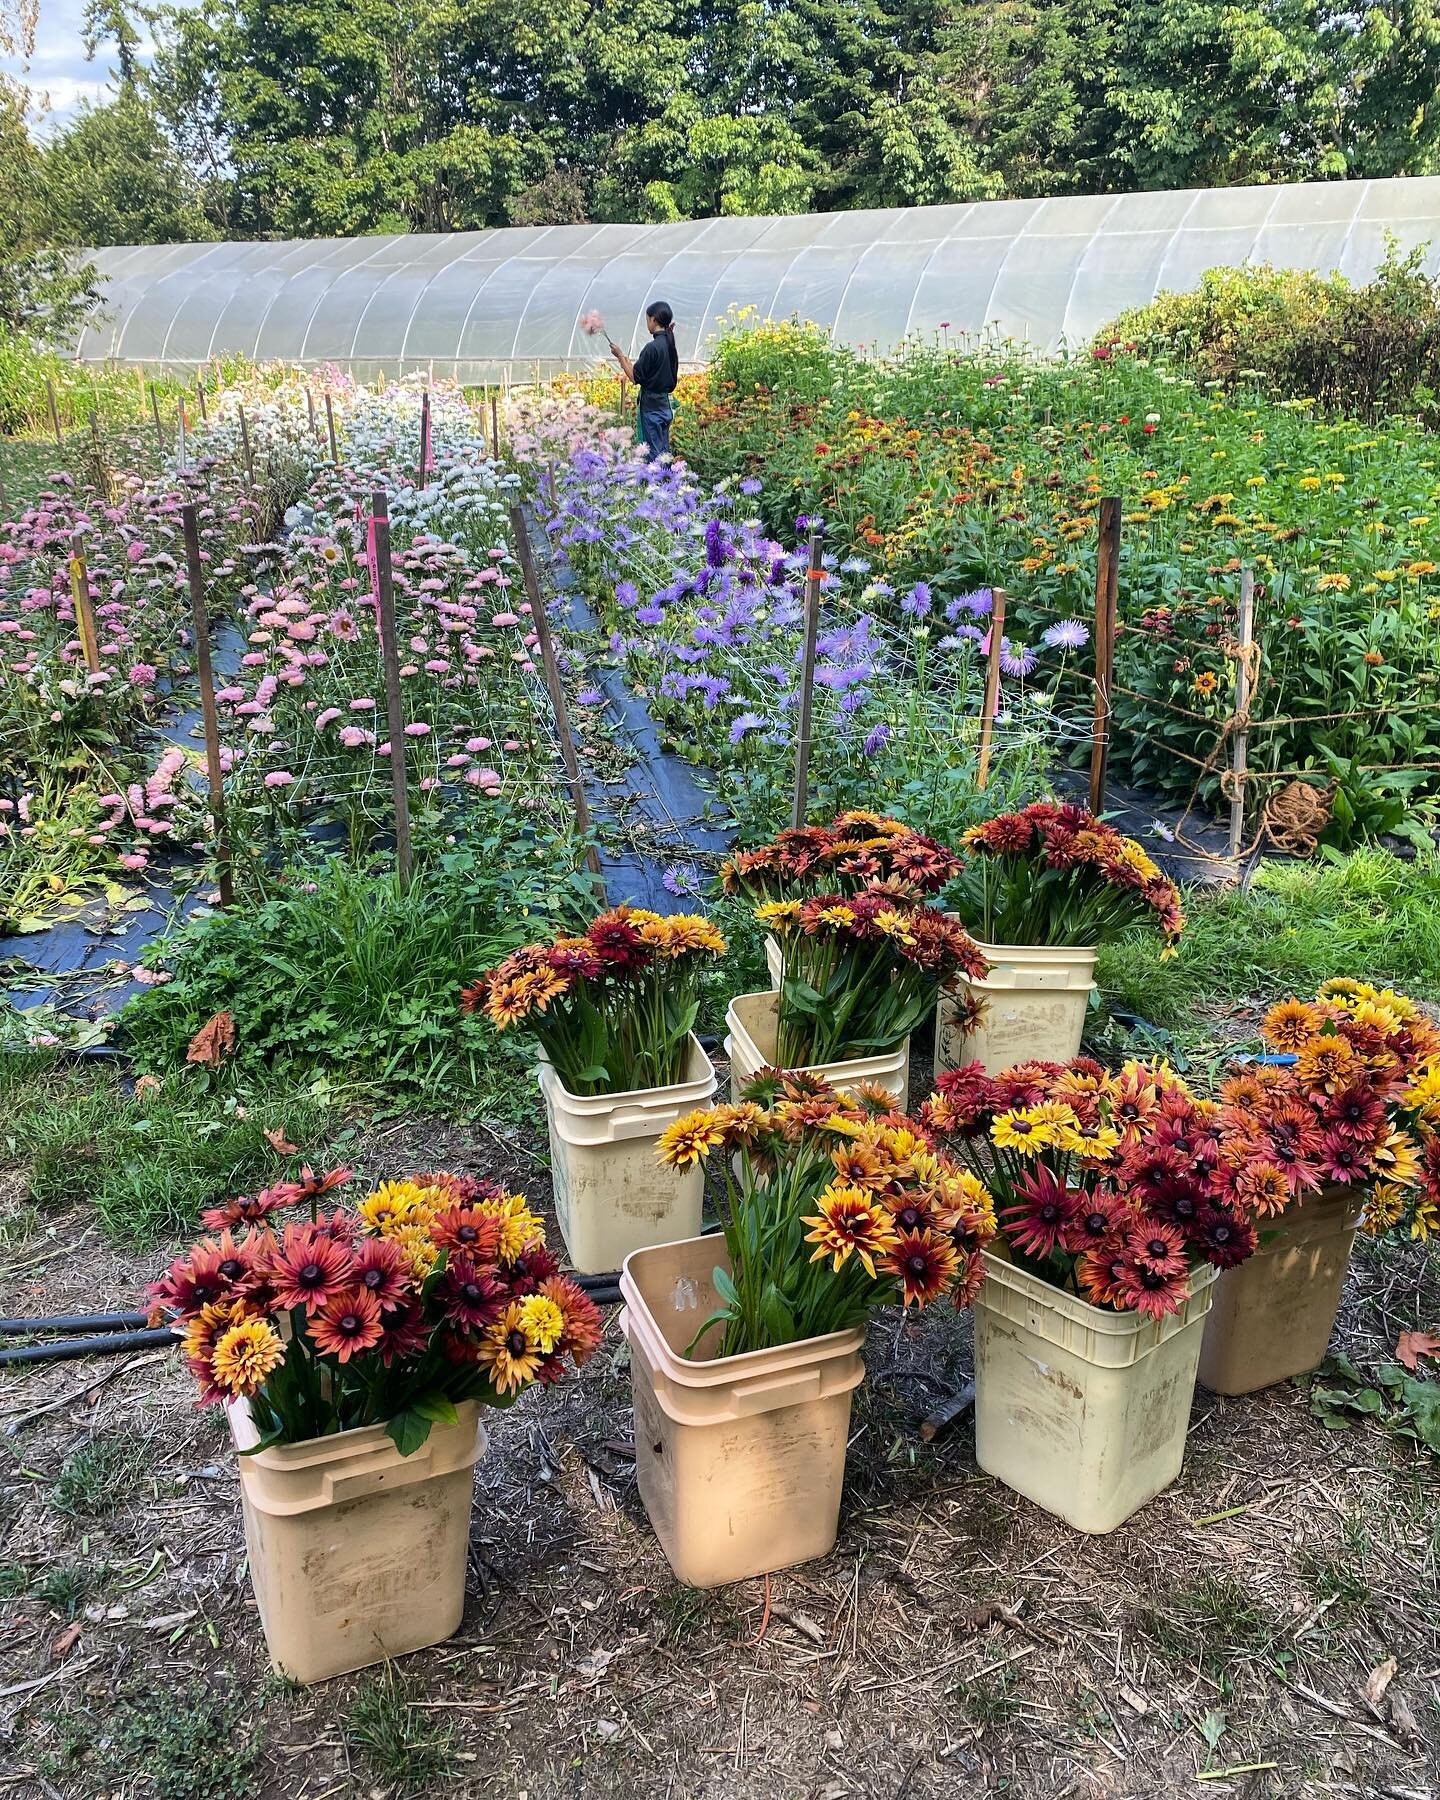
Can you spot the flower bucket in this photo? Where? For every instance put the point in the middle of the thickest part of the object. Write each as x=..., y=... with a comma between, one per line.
x=1082, y=1410
x=1273, y=1315
x=740, y=1459
x=612, y=1195
x=1035, y=1000
x=774, y=960
x=357, y=1553
x=752, y=1020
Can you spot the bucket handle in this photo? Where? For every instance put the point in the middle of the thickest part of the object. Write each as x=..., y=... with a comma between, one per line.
x=379, y=1472
x=635, y=1124
x=791, y=1389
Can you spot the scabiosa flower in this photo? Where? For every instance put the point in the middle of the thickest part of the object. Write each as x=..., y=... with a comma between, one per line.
x=1016, y=659
x=350, y=1323
x=1065, y=634
x=918, y=602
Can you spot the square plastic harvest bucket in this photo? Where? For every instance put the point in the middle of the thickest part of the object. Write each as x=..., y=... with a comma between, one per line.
x=357, y=1553
x=612, y=1193
x=1082, y=1410
x=1035, y=1000
x=753, y=1024
x=740, y=1459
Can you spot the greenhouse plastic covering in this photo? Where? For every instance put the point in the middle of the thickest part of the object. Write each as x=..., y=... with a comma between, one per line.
x=483, y=305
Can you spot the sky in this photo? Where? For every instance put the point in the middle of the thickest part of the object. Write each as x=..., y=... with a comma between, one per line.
x=58, y=68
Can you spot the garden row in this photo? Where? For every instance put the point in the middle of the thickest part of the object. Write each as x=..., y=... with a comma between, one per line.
x=959, y=467
x=1117, y=1232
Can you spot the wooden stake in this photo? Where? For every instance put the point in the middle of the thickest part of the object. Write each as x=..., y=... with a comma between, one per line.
x=84, y=612
x=394, y=706
x=556, y=688
x=310, y=407
x=991, y=703
x=1107, y=587
x=200, y=396
x=330, y=427
x=155, y=414
x=814, y=577
x=54, y=413
x=246, y=449
x=1240, y=742
x=424, y=436
x=200, y=621
x=181, y=425
x=495, y=427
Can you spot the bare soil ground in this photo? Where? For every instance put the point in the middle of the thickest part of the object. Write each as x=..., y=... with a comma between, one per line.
x=958, y=1638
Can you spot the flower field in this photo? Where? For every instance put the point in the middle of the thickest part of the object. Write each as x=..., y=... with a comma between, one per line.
x=964, y=465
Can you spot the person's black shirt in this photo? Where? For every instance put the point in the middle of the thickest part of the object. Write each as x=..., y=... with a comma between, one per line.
x=653, y=371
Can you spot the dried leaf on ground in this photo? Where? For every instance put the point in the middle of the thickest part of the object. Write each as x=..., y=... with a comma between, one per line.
x=1377, y=1681
x=213, y=1042
x=1410, y=1346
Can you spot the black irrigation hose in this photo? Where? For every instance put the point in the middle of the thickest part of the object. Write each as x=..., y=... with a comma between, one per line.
x=75, y=1322
x=69, y=1349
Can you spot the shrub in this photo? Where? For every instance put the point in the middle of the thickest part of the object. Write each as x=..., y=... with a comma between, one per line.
x=1364, y=350
x=788, y=356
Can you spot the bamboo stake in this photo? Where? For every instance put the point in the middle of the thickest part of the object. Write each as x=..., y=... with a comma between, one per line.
x=54, y=413
x=814, y=577
x=991, y=703
x=200, y=396
x=495, y=427
x=1107, y=586
x=1239, y=743
x=394, y=706
x=330, y=427
x=246, y=449
x=84, y=611
x=556, y=689
x=155, y=414
x=200, y=622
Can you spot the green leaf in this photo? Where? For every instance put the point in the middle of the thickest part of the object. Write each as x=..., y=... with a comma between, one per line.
x=594, y=1072
x=437, y=1408
x=725, y=1286
x=408, y=1430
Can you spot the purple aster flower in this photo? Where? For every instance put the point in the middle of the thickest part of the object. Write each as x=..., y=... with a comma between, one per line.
x=1016, y=659
x=590, y=697
x=746, y=723
x=876, y=739
x=626, y=593
x=1065, y=634
x=917, y=602
x=650, y=615
x=681, y=879
x=978, y=605
x=750, y=485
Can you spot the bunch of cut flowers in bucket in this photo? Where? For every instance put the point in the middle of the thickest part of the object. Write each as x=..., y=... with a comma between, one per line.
x=1054, y=874
x=859, y=971
x=836, y=1204
x=430, y=1291
x=613, y=1009
x=1350, y=1099
x=855, y=850
x=1105, y=1184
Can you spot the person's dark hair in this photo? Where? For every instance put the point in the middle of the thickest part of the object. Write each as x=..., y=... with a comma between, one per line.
x=660, y=312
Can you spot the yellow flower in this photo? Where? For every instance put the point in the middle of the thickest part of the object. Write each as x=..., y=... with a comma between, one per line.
x=1334, y=583
x=395, y=1204
x=1387, y=574
x=417, y=1246
x=1020, y=1131
x=691, y=1138
x=1384, y=1209
x=1426, y=1223
x=542, y=1321
x=778, y=915
x=1309, y=482
x=518, y=1225
x=246, y=1355
x=850, y=1221
x=1398, y=1160
x=510, y=1354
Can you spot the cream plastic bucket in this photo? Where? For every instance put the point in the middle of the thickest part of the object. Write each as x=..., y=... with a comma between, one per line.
x=357, y=1553
x=1035, y=1002
x=1082, y=1410
x=1273, y=1315
x=740, y=1459
x=750, y=1046
x=612, y=1194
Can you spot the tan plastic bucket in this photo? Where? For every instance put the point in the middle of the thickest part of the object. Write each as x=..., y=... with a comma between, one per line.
x=774, y=959
x=1082, y=1410
x=612, y=1195
x=1035, y=1003
x=751, y=1046
x=740, y=1459
x=1273, y=1315
x=356, y=1552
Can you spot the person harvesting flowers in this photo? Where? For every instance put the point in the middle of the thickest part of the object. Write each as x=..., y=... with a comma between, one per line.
x=656, y=373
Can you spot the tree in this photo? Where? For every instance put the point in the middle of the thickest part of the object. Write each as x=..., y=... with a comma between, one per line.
x=112, y=177
x=45, y=292
x=105, y=22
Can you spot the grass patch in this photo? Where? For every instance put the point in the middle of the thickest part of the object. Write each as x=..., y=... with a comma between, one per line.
x=148, y=1162
x=1215, y=1621
x=100, y=1476
x=1336, y=1577
x=1372, y=915
x=413, y=1750
x=192, y=1742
